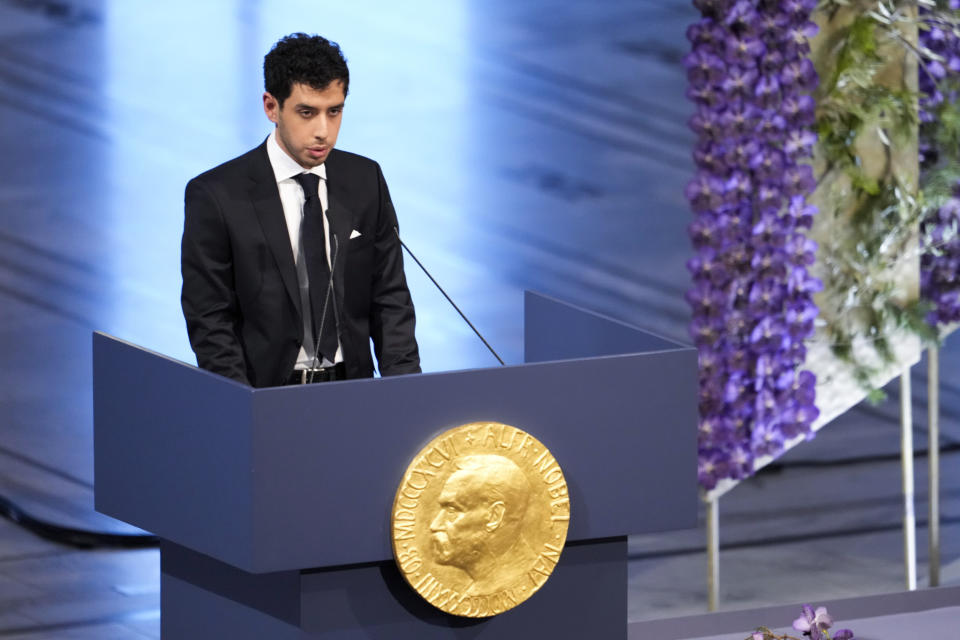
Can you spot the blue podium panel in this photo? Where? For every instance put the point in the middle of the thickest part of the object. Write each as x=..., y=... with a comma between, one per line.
x=204, y=598
x=292, y=477
x=169, y=447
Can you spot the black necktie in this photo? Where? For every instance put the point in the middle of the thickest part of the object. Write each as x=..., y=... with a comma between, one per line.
x=314, y=246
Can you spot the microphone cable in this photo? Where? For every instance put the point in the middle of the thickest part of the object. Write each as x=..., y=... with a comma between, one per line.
x=323, y=312
x=449, y=299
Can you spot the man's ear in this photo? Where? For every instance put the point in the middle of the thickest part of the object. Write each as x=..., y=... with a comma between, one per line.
x=495, y=517
x=271, y=107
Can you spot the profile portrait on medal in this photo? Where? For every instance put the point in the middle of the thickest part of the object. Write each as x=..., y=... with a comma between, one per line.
x=479, y=523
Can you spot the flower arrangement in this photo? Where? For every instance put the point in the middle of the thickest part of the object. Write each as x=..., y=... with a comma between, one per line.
x=760, y=108
x=889, y=207
x=752, y=295
x=867, y=124
x=939, y=82
x=813, y=623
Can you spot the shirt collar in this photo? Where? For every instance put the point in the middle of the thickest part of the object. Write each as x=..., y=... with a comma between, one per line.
x=285, y=167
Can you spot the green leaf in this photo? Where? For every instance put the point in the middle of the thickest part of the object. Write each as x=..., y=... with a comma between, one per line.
x=863, y=35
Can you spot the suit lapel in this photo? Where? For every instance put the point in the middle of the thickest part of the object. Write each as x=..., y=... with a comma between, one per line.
x=266, y=201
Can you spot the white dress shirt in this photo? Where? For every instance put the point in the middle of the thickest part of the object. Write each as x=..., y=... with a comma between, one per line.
x=292, y=200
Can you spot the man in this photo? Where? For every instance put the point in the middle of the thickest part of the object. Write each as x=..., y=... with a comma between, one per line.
x=291, y=257
x=479, y=525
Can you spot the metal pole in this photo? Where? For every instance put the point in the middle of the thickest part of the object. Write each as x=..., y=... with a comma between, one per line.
x=933, y=459
x=906, y=462
x=713, y=554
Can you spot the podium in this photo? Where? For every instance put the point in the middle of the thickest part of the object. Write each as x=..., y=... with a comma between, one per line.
x=273, y=505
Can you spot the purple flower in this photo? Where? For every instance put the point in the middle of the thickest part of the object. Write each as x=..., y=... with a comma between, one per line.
x=744, y=51
x=799, y=282
x=843, y=634
x=771, y=123
x=800, y=316
x=710, y=469
x=771, y=61
x=799, y=73
x=711, y=273
x=705, y=331
x=799, y=110
x=935, y=69
x=768, y=230
x=798, y=7
x=766, y=164
x=735, y=257
x=769, y=197
x=798, y=420
x=739, y=82
x=742, y=17
x=765, y=295
x=705, y=94
x=799, y=141
x=709, y=157
x=796, y=352
x=769, y=334
x=733, y=219
x=714, y=431
x=814, y=623
x=739, y=462
x=803, y=387
x=703, y=67
x=796, y=43
x=766, y=439
x=740, y=119
x=801, y=249
x=767, y=91
x=703, y=233
x=710, y=397
x=801, y=212
x=705, y=191
x=770, y=267
x=736, y=324
x=705, y=33
x=704, y=301
x=772, y=23
x=803, y=31
x=799, y=180
x=740, y=152
x=706, y=123
x=737, y=187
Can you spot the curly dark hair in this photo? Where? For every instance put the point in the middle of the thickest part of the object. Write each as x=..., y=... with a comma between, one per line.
x=309, y=60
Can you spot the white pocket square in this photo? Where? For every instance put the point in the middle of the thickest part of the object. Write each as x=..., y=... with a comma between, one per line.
x=354, y=234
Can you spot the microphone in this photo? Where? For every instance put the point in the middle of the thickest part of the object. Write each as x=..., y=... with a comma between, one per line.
x=449, y=299
x=326, y=301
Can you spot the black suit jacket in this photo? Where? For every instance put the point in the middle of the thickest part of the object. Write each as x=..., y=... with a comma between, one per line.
x=240, y=292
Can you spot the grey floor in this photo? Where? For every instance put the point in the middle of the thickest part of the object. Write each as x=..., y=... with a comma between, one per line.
x=535, y=145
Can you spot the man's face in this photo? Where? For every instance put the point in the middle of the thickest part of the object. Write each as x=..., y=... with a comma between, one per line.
x=459, y=530
x=308, y=122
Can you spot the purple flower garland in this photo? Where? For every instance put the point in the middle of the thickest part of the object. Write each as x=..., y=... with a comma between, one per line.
x=752, y=295
x=940, y=274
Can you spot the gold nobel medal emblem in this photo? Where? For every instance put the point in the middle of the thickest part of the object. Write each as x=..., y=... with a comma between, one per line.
x=480, y=519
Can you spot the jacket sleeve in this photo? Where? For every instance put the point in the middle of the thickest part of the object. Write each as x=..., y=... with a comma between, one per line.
x=208, y=296
x=392, y=318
